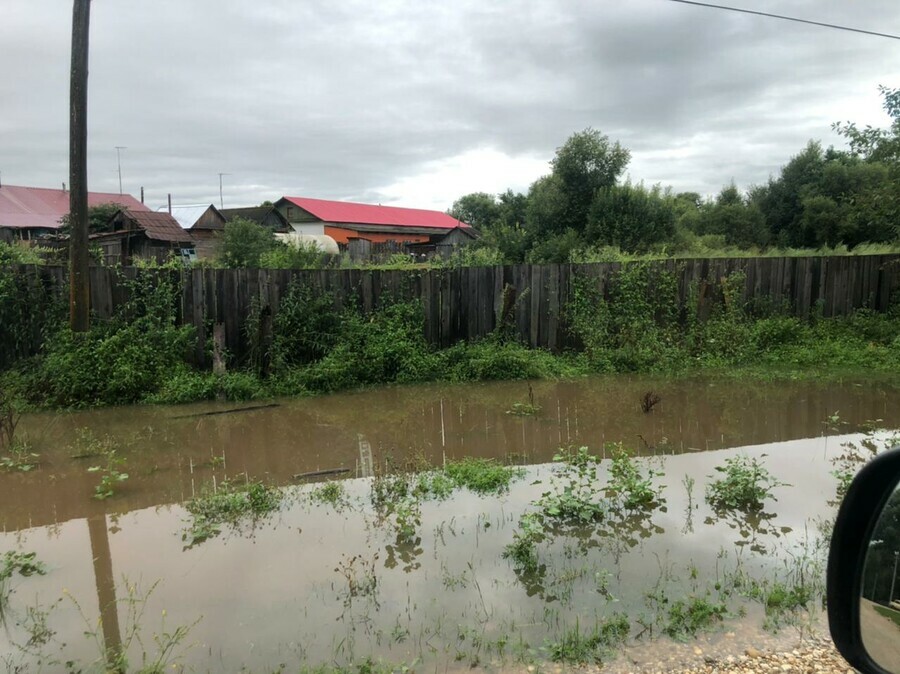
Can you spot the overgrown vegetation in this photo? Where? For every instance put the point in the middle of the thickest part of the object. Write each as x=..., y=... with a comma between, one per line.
x=634, y=324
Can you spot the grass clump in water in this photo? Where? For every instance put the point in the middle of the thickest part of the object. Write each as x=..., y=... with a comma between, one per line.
x=483, y=476
x=229, y=504
x=745, y=485
x=331, y=493
x=686, y=617
x=523, y=550
x=577, y=648
x=627, y=485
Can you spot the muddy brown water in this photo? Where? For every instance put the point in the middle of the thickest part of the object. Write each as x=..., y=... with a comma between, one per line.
x=280, y=592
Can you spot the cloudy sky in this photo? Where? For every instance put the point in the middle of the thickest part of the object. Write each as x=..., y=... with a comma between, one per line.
x=416, y=102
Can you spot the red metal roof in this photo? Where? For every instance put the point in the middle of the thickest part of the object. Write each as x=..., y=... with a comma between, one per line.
x=366, y=214
x=22, y=207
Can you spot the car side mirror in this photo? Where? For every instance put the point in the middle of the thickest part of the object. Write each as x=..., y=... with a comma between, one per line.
x=863, y=591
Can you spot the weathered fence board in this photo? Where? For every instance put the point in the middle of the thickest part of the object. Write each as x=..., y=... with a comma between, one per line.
x=467, y=303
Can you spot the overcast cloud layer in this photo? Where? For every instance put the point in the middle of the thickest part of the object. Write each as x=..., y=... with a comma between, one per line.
x=418, y=102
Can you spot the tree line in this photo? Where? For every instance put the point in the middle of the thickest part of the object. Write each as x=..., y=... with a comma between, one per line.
x=822, y=198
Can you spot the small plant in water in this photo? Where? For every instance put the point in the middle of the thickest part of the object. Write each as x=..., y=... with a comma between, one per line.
x=528, y=409
x=331, y=493
x=627, y=485
x=745, y=485
x=483, y=476
x=577, y=648
x=686, y=617
x=22, y=563
x=579, y=500
x=230, y=503
x=20, y=458
x=110, y=475
x=523, y=550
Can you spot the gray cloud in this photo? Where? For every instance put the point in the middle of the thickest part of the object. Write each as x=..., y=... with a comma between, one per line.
x=345, y=99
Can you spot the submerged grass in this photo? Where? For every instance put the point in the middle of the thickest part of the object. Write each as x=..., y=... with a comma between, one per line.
x=483, y=476
x=231, y=504
x=575, y=647
x=686, y=617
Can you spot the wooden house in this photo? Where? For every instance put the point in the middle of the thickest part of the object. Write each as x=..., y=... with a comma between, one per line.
x=265, y=216
x=143, y=234
x=204, y=222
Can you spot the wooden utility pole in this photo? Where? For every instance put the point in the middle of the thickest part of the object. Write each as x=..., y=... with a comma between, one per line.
x=79, y=279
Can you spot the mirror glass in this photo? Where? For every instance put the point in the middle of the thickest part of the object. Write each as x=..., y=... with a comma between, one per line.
x=879, y=611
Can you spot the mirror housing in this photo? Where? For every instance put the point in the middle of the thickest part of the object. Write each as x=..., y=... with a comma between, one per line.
x=853, y=528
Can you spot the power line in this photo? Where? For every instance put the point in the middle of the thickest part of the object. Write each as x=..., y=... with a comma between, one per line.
x=788, y=18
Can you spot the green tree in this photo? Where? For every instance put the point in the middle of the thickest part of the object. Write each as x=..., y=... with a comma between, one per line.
x=782, y=204
x=631, y=217
x=244, y=242
x=734, y=216
x=585, y=163
x=873, y=144
x=479, y=209
x=99, y=217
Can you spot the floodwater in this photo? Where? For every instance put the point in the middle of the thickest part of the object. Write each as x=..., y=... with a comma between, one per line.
x=287, y=589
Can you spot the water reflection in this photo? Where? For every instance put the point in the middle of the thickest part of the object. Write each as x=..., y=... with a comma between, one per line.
x=318, y=584
x=171, y=451
x=879, y=608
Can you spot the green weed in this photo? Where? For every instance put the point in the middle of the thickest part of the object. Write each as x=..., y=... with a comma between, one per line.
x=230, y=503
x=580, y=498
x=20, y=458
x=483, y=476
x=627, y=485
x=575, y=647
x=24, y=564
x=686, y=617
x=745, y=485
x=331, y=493
x=110, y=473
x=523, y=550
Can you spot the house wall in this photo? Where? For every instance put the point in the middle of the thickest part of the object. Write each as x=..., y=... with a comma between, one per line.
x=209, y=220
x=345, y=234
x=206, y=243
x=308, y=227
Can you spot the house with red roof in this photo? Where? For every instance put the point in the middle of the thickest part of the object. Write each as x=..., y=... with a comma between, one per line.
x=35, y=212
x=345, y=221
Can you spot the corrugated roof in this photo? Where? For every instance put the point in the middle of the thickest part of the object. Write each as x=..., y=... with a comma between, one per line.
x=186, y=215
x=159, y=226
x=367, y=214
x=22, y=207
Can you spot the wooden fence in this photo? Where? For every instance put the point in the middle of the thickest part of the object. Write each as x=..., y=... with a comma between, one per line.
x=468, y=303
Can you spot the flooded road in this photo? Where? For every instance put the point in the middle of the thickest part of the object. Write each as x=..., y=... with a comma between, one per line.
x=169, y=451
x=318, y=584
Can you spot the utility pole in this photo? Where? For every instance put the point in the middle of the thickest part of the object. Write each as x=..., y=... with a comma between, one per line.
x=119, y=162
x=79, y=278
x=221, y=201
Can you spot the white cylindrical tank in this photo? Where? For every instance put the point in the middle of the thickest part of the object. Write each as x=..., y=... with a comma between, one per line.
x=322, y=242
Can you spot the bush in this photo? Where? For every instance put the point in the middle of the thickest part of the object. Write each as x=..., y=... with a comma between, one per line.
x=386, y=347
x=305, y=328
x=118, y=361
